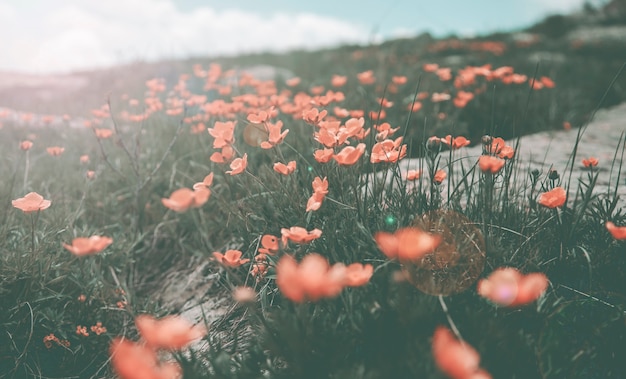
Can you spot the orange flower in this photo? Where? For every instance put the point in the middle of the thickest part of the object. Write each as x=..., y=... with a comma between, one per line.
x=298, y=234
x=224, y=156
x=182, y=199
x=430, y=67
x=276, y=135
x=261, y=117
x=457, y=359
x=554, y=198
x=313, y=116
x=32, y=202
x=103, y=133
x=26, y=145
x=292, y=82
x=508, y=287
x=84, y=159
x=285, y=169
x=349, y=155
x=170, y=332
x=270, y=244
x=618, y=232
x=399, y=80
x=85, y=246
x=388, y=151
x=323, y=155
x=413, y=174
x=223, y=132
x=488, y=163
x=132, y=360
x=55, y=151
x=440, y=175
x=238, y=165
x=207, y=182
x=406, y=244
x=231, y=258
x=457, y=142
x=313, y=279
x=366, y=77
x=338, y=80
x=320, y=190
x=591, y=162
x=358, y=274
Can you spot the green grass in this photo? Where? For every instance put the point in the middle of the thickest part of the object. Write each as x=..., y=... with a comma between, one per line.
x=380, y=330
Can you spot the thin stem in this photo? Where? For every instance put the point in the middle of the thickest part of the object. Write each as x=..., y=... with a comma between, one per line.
x=450, y=321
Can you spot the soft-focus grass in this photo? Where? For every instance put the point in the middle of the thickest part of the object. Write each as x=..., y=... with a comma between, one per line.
x=380, y=330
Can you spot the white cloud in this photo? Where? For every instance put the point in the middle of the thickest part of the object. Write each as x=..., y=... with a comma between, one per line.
x=82, y=34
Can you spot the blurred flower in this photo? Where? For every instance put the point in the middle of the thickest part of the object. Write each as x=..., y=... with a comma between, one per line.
x=84, y=159
x=170, y=332
x=85, y=246
x=132, y=360
x=82, y=331
x=406, y=244
x=55, y=151
x=300, y=235
x=32, y=202
x=231, y=258
x=591, y=162
x=338, y=80
x=244, y=294
x=553, y=199
x=413, y=174
x=312, y=279
x=103, y=133
x=358, y=274
x=285, y=169
x=508, y=287
x=456, y=359
x=26, y=145
x=618, y=232
x=440, y=176
x=491, y=164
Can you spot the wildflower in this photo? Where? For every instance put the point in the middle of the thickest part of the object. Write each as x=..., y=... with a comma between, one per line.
x=244, y=294
x=133, y=360
x=508, y=287
x=90, y=174
x=32, y=202
x=98, y=328
x=313, y=116
x=491, y=164
x=261, y=117
x=591, y=162
x=55, y=151
x=300, y=235
x=231, y=258
x=259, y=270
x=26, y=145
x=618, y=232
x=82, y=298
x=270, y=244
x=292, y=82
x=320, y=190
x=323, y=155
x=84, y=159
x=413, y=174
x=276, y=136
x=399, y=80
x=180, y=200
x=554, y=198
x=388, y=151
x=458, y=360
x=170, y=332
x=224, y=156
x=430, y=67
x=103, y=133
x=406, y=244
x=85, y=246
x=285, y=169
x=312, y=279
x=207, y=182
x=349, y=155
x=338, y=80
x=358, y=274
x=238, y=165
x=223, y=132
x=567, y=125
x=456, y=142
x=440, y=175
x=82, y=331
x=366, y=77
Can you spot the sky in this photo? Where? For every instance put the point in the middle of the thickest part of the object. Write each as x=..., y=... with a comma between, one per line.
x=59, y=36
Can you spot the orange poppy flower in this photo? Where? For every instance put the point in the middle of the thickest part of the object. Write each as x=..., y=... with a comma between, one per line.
x=224, y=156
x=170, y=332
x=84, y=159
x=591, y=162
x=238, y=165
x=338, y=80
x=223, y=132
x=457, y=359
x=132, y=360
x=312, y=279
x=323, y=155
x=349, y=155
x=366, y=77
x=313, y=116
x=103, y=133
x=55, y=151
x=388, y=151
x=413, y=174
x=85, y=246
x=207, y=182
x=261, y=117
x=180, y=200
x=507, y=152
x=26, y=145
x=618, y=232
x=491, y=164
x=440, y=176
x=358, y=274
x=414, y=107
x=457, y=142
x=406, y=244
x=554, y=198
x=300, y=235
x=285, y=169
x=231, y=258
x=508, y=287
x=292, y=82
x=320, y=190
x=430, y=67
x=32, y=202
x=270, y=244
x=275, y=136
x=399, y=80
